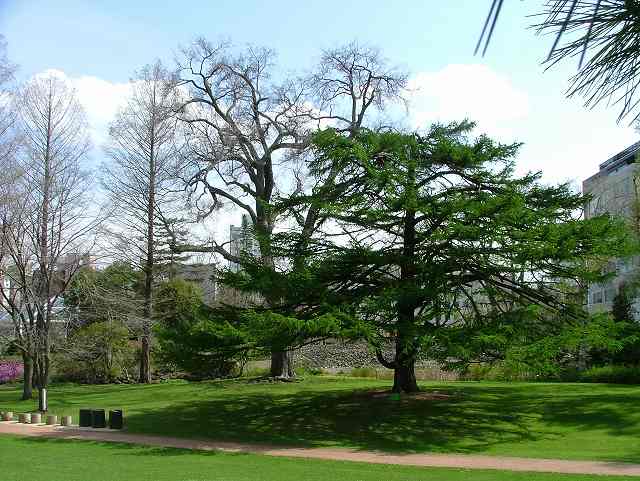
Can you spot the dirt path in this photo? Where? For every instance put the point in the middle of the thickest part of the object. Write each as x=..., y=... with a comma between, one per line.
x=425, y=460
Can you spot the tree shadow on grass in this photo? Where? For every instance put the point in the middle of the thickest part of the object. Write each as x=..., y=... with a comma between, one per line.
x=543, y=420
x=470, y=420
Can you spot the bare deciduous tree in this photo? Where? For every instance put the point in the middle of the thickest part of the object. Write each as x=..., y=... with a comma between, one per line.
x=245, y=133
x=350, y=82
x=49, y=237
x=8, y=134
x=15, y=267
x=240, y=124
x=139, y=182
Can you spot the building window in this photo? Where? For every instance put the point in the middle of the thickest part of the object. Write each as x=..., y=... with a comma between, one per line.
x=609, y=294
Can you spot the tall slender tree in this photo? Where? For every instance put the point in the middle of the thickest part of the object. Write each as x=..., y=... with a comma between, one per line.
x=51, y=236
x=139, y=180
x=14, y=265
x=9, y=175
x=8, y=133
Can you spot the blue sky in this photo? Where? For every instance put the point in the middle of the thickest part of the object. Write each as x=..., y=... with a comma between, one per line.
x=109, y=39
x=99, y=44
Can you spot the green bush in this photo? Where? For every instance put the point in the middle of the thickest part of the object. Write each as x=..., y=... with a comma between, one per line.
x=364, y=372
x=200, y=341
x=309, y=371
x=612, y=374
x=256, y=371
x=495, y=372
x=98, y=353
x=8, y=347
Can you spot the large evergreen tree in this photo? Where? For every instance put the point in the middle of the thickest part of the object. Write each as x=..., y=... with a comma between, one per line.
x=440, y=240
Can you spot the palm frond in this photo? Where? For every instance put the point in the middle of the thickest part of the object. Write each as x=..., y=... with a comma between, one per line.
x=604, y=35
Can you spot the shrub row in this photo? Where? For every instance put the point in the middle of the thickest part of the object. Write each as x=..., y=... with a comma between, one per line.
x=611, y=374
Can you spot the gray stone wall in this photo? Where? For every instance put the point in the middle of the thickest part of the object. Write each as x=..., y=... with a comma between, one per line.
x=339, y=357
x=332, y=354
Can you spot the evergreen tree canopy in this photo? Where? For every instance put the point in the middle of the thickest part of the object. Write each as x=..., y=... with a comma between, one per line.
x=442, y=244
x=197, y=339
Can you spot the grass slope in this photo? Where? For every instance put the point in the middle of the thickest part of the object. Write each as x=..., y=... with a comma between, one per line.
x=80, y=461
x=569, y=421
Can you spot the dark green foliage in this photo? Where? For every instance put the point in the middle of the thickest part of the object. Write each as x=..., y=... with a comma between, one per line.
x=169, y=232
x=624, y=336
x=629, y=353
x=622, y=307
x=613, y=374
x=628, y=327
x=442, y=249
x=204, y=342
x=10, y=348
x=101, y=352
x=447, y=251
x=302, y=309
x=110, y=294
x=566, y=348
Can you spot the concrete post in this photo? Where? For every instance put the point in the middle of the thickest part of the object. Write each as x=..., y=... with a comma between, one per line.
x=24, y=418
x=43, y=400
x=52, y=420
x=36, y=418
x=7, y=416
x=67, y=421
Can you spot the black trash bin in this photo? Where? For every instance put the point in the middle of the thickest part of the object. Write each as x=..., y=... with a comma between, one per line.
x=116, y=419
x=86, y=418
x=98, y=418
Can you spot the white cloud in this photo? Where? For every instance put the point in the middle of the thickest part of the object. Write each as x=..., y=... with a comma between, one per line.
x=561, y=137
x=100, y=98
x=471, y=91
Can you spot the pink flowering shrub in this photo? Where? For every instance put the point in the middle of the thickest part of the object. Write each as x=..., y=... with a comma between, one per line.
x=10, y=371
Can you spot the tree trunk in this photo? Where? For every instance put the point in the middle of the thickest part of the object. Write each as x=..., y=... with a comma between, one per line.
x=27, y=378
x=43, y=400
x=281, y=361
x=282, y=365
x=145, y=356
x=42, y=361
x=404, y=377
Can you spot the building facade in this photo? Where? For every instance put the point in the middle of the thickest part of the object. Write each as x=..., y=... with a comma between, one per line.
x=242, y=241
x=614, y=189
x=203, y=275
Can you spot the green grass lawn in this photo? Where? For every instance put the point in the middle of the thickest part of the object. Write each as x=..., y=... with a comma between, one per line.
x=81, y=461
x=570, y=421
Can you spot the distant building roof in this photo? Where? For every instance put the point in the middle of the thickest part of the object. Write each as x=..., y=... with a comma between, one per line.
x=626, y=156
x=612, y=165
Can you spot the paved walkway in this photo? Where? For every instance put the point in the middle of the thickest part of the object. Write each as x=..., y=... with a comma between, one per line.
x=426, y=460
